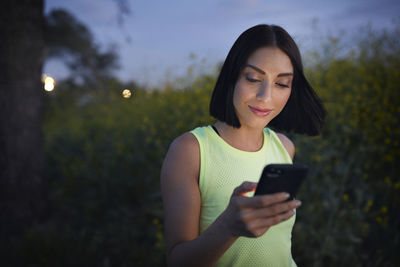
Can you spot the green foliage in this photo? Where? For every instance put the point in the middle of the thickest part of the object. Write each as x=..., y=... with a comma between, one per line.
x=104, y=155
x=351, y=210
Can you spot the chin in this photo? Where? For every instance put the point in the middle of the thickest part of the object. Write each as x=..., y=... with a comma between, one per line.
x=257, y=124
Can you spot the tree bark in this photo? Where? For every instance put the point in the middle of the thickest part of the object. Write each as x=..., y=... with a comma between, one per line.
x=22, y=187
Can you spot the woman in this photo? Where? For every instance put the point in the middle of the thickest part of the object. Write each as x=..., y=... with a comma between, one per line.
x=209, y=174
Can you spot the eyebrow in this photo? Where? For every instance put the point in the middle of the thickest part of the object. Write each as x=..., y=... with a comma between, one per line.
x=285, y=74
x=263, y=72
x=256, y=68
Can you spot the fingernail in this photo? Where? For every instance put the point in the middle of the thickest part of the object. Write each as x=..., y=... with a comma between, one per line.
x=286, y=195
x=297, y=203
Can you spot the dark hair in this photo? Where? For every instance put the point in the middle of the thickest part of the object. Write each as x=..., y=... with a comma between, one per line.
x=303, y=113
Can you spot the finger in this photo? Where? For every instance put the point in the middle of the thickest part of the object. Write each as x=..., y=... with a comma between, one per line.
x=264, y=200
x=244, y=188
x=265, y=223
x=272, y=210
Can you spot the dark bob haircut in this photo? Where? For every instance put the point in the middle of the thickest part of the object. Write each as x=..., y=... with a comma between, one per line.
x=303, y=113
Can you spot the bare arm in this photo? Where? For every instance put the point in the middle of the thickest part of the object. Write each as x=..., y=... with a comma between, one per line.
x=287, y=143
x=181, y=197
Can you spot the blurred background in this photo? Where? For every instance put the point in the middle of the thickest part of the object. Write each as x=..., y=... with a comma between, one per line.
x=93, y=92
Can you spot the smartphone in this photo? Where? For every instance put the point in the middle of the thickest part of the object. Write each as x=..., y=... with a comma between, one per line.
x=277, y=178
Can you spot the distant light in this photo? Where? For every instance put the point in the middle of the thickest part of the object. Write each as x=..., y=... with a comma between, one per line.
x=126, y=93
x=49, y=87
x=49, y=83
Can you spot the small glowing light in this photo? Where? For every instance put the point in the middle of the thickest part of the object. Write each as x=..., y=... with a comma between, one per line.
x=49, y=87
x=49, y=83
x=126, y=93
x=48, y=79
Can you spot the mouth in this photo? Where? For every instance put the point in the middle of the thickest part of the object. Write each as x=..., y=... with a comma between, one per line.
x=262, y=112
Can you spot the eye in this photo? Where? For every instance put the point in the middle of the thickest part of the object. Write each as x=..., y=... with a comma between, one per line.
x=250, y=79
x=282, y=85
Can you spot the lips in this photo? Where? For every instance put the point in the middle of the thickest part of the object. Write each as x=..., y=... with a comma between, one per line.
x=260, y=111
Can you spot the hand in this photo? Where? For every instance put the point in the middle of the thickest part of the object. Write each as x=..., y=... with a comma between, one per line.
x=253, y=216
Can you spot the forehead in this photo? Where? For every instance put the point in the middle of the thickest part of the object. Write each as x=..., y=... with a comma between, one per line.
x=270, y=59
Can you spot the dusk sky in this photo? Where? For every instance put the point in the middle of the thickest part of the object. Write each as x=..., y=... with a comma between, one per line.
x=156, y=39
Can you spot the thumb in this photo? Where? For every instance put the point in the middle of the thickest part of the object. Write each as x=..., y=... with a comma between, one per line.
x=244, y=188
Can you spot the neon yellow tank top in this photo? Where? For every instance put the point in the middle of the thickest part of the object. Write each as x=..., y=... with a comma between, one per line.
x=222, y=168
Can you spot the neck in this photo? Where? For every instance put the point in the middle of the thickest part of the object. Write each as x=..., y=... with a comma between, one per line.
x=244, y=138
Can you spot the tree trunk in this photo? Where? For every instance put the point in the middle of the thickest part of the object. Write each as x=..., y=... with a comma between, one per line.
x=22, y=188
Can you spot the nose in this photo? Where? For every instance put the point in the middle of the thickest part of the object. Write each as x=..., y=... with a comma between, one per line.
x=265, y=91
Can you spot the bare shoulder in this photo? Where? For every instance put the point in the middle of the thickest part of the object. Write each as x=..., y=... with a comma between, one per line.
x=287, y=143
x=182, y=160
x=183, y=150
x=180, y=190
x=186, y=141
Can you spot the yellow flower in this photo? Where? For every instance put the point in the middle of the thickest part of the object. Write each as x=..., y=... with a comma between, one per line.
x=345, y=197
x=159, y=235
x=379, y=219
x=384, y=209
x=388, y=158
x=368, y=206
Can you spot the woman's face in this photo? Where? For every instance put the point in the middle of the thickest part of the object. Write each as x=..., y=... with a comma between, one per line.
x=263, y=87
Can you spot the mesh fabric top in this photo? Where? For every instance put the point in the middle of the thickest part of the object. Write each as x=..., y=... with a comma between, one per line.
x=222, y=169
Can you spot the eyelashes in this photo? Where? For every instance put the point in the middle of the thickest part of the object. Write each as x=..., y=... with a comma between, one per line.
x=252, y=80
x=257, y=80
x=282, y=85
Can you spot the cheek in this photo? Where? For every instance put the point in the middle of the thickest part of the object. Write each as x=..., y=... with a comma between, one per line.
x=237, y=95
x=282, y=99
x=288, y=96
x=284, y=96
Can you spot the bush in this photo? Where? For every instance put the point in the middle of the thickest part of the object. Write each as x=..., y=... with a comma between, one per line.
x=104, y=155
x=351, y=202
